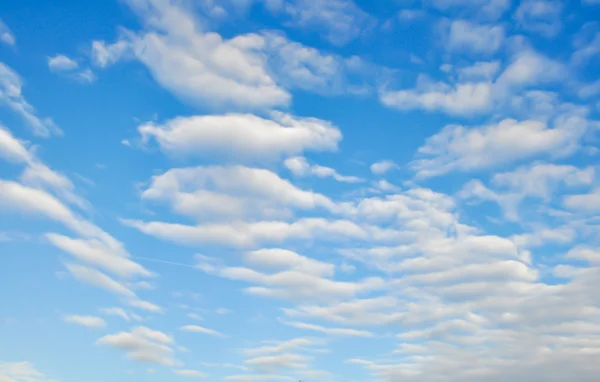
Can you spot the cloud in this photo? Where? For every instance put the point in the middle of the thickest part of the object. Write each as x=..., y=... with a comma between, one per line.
x=382, y=167
x=143, y=344
x=200, y=329
x=584, y=253
x=461, y=99
x=21, y=372
x=296, y=277
x=104, y=55
x=97, y=253
x=297, y=66
x=479, y=71
x=96, y=278
x=252, y=234
x=199, y=67
x=60, y=63
x=586, y=203
x=487, y=9
x=338, y=21
x=11, y=96
x=118, y=312
x=299, y=166
x=283, y=346
x=87, y=321
x=538, y=180
x=344, y=332
x=477, y=95
x=13, y=149
x=540, y=16
x=464, y=36
x=273, y=363
x=190, y=373
x=6, y=35
x=457, y=148
x=218, y=193
x=243, y=136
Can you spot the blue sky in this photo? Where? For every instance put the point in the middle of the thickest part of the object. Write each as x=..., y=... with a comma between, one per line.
x=316, y=190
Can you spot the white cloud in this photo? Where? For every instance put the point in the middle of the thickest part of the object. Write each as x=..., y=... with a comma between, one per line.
x=11, y=95
x=97, y=253
x=62, y=63
x=143, y=344
x=104, y=55
x=330, y=331
x=457, y=148
x=87, y=321
x=222, y=193
x=479, y=71
x=487, y=9
x=6, y=35
x=200, y=329
x=299, y=166
x=21, y=372
x=243, y=135
x=382, y=167
x=200, y=67
x=538, y=180
x=297, y=66
x=461, y=99
x=190, y=373
x=244, y=234
x=540, y=16
x=586, y=48
x=96, y=278
x=118, y=312
x=589, y=90
x=297, y=278
x=13, y=149
x=273, y=363
x=469, y=37
x=587, y=203
x=475, y=94
x=282, y=259
x=338, y=21
x=584, y=253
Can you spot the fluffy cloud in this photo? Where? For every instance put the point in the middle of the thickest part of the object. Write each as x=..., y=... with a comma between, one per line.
x=457, y=148
x=21, y=372
x=299, y=166
x=242, y=135
x=338, y=21
x=469, y=37
x=61, y=63
x=190, y=373
x=330, y=331
x=382, y=167
x=222, y=193
x=87, y=321
x=198, y=66
x=489, y=9
x=538, y=180
x=480, y=90
x=6, y=35
x=589, y=203
x=11, y=95
x=143, y=344
x=252, y=234
x=296, y=277
x=540, y=16
x=200, y=329
x=461, y=99
x=13, y=149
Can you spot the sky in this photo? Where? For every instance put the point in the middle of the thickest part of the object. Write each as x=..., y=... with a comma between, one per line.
x=285, y=190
